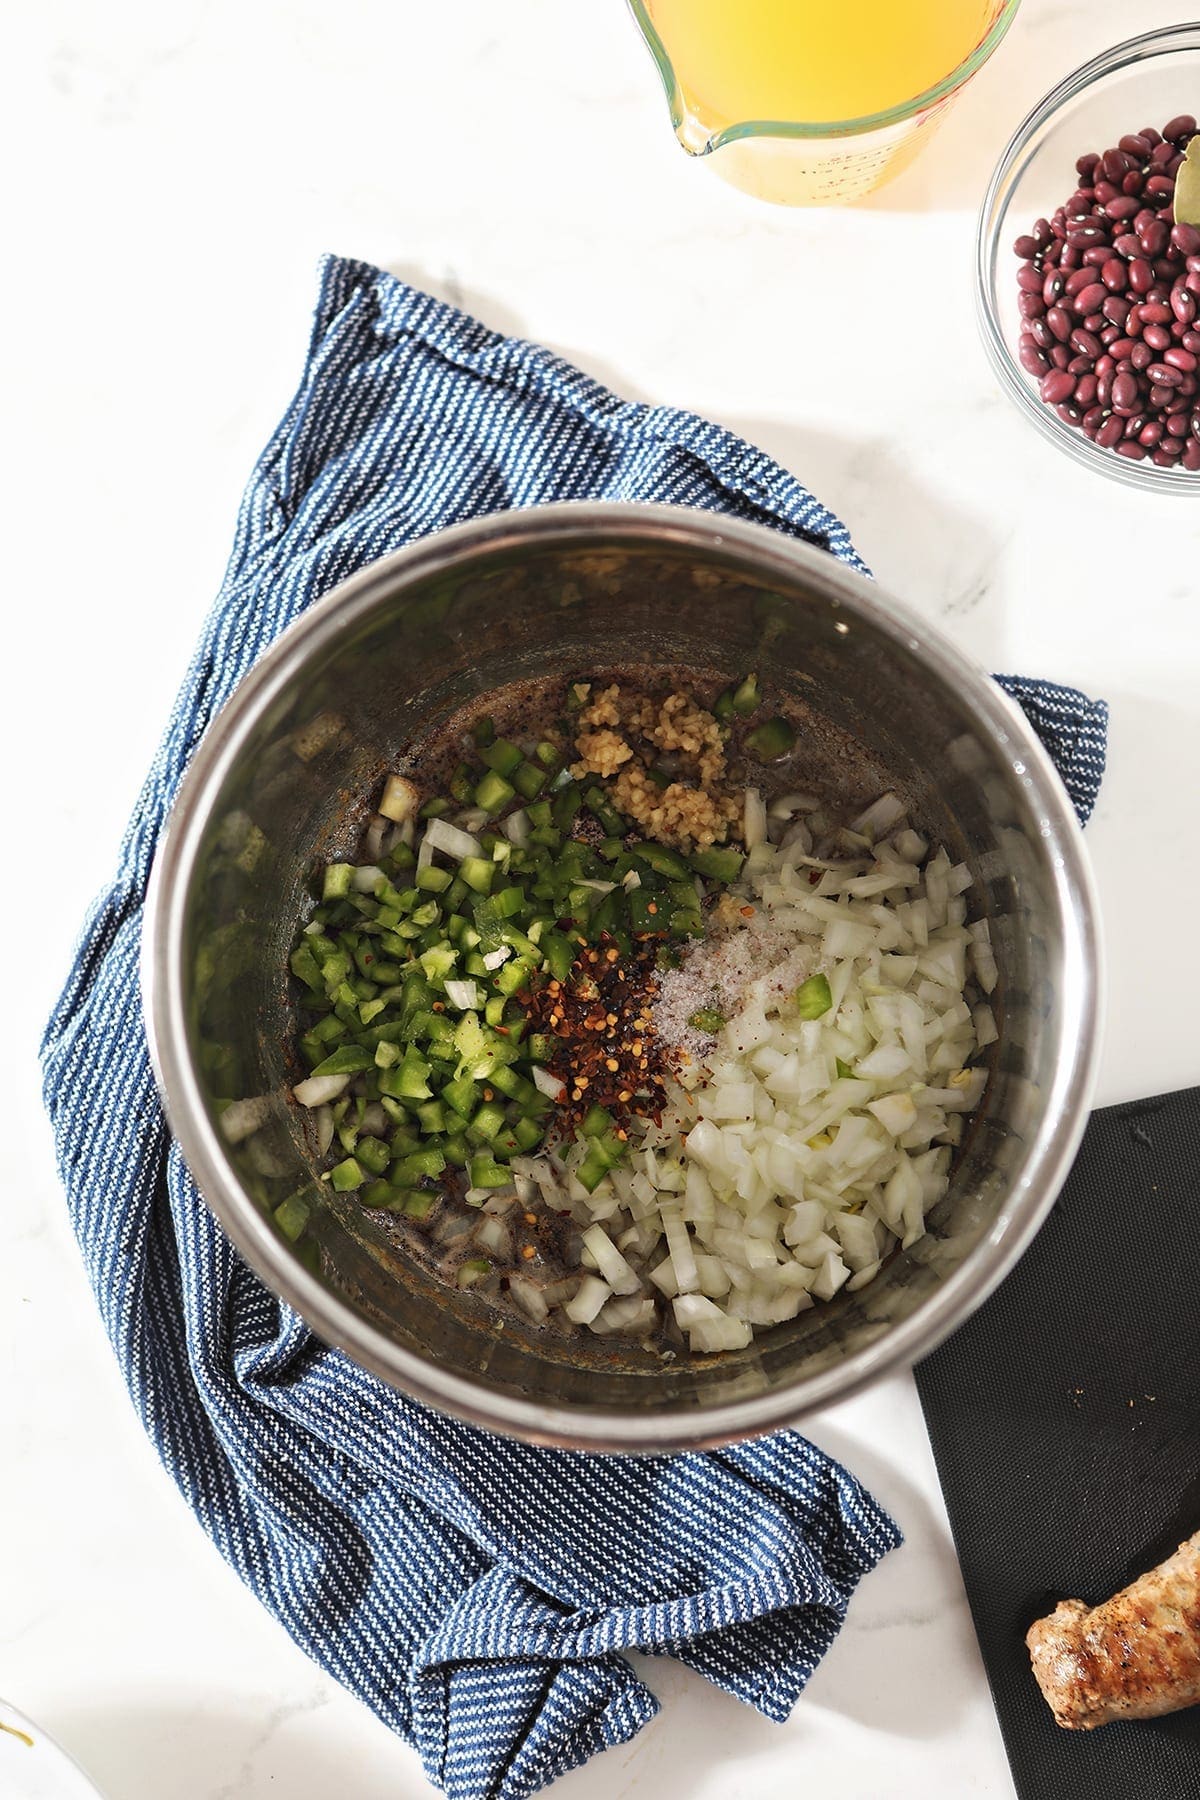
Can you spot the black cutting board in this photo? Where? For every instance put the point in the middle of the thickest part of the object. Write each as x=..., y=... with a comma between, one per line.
x=1065, y=1421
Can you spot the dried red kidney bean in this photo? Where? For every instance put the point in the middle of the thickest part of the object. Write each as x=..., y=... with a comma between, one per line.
x=1110, y=295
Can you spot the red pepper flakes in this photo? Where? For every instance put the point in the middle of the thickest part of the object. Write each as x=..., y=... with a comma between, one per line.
x=608, y=1053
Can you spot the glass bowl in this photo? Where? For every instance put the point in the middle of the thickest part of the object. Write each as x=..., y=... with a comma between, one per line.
x=1144, y=81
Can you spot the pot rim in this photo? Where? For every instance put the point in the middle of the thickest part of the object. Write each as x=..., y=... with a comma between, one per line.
x=591, y=525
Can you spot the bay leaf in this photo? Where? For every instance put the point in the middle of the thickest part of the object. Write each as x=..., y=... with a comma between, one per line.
x=1187, y=186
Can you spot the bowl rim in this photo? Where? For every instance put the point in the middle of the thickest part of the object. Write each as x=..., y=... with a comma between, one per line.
x=768, y=553
x=1014, y=158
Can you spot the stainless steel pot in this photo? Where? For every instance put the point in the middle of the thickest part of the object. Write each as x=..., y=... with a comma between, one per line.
x=278, y=784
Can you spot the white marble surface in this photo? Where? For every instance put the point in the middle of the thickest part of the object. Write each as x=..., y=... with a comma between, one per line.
x=174, y=172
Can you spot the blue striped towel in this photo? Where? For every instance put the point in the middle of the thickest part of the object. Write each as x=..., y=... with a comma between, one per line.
x=476, y=1593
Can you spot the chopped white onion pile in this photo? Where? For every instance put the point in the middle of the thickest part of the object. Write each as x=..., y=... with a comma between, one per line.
x=820, y=1143
x=808, y=1147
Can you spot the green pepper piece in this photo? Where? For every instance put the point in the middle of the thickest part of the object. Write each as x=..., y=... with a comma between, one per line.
x=461, y=785
x=662, y=860
x=604, y=1153
x=484, y=1171
x=684, y=922
x=432, y=1117
x=291, y=1216
x=347, y=1059
x=419, y=1204
x=507, y=1081
x=746, y=696
x=401, y=856
x=718, y=865
x=462, y=1094
x=503, y=756
x=707, y=1018
x=489, y=1120
x=438, y=961
x=494, y=793
x=596, y=801
x=409, y=1080
x=478, y=873
x=813, y=998
x=337, y=880
x=484, y=731
x=455, y=1151
x=528, y=780
x=373, y=1154
x=646, y=909
x=407, y=1170
x=346, y=1176
x=306, y=968
x=378, y=1193
x=529, y=1135
x=473, y=1270
x=771, y=740
x=513, y=976
x=567, y=802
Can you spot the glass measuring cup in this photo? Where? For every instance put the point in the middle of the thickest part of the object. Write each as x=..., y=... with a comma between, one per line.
x=806, y=162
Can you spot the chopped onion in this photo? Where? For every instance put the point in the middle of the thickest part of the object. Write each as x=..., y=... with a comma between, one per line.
x=590, y=1296
x=242, y=1118
x=530, y=1298
x=493, y=1235
x=632, y=1314
x=548, y=1084
x=373, y=842
x=754, y=819
x=494, y=958
x=787, y=804
x=401, y=798
x=318, y=1089
x=323, y=1119
x=879, y=818
x=464, y=994
x=708, y=1328
x=609, y=1261
x=450, y=839
x=984, y=1021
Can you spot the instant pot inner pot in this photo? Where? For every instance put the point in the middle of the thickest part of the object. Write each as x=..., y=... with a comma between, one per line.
x=300, y=792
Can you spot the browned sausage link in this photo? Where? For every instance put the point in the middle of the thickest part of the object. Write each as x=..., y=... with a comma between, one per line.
x=1137, y=1656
